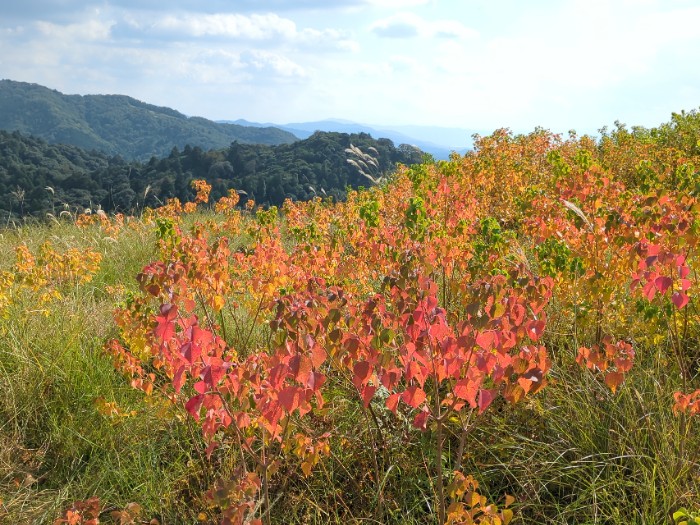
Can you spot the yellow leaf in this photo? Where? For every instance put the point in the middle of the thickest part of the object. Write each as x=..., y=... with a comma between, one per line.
x=507, y=516
x=306, y=467
x=218, y=303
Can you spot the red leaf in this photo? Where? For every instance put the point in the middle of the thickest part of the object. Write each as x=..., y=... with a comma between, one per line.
x=179, y=379
x=421, y=419
x=649, y=290
x=165, y=328
x=189, y=304
x=653, y=249
x=535, y=329
x=361, y=371
x=201, y=337
x=194, y=404
x=242, y=420
x=318, y=355
x=486, y=397
x=416, y=371
x=210, y=449
x=213, y=373
x=392, y=402
x=301, y=367
x=413, y=396
x=683, y=271
x=531, y=380
x=663, y=283
x=680, y=299
x=168, y=311
x=351, y=345
x=518, y=314
x=289, y=398
x=316, y=380
x=623, y=365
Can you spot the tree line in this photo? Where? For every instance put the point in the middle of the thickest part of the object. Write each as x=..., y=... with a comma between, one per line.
x=37, y=178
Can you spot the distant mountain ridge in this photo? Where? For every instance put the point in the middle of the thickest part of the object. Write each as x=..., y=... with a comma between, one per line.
x=440, y=142
x=118, y=124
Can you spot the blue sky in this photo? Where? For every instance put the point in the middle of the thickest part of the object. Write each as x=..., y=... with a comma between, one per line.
x=475, y=64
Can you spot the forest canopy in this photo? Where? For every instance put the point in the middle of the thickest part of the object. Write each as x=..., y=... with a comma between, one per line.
x=38, y=178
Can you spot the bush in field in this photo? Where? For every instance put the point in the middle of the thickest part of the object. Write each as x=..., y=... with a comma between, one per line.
x=517, y=325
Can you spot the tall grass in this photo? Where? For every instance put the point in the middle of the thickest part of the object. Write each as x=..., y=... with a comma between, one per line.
x=581, y=454
x=57, y=446
x=575, y=454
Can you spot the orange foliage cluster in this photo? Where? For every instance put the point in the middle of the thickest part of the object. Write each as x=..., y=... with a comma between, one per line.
x=612, y=360
x=88, y=512
x=424, y=300
x=688, y=403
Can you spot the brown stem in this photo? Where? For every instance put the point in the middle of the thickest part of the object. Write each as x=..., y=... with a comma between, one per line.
x=377, y=471
x=265, y=481
x=252, y=325
x=438, y=453
x=206, y=312
x=466, y=427
x=440, y=483
x=678, y=351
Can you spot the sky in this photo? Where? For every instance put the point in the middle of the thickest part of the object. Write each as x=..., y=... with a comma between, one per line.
x=473, y=64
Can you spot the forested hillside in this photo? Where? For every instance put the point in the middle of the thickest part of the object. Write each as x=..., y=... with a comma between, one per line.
x=117, y=124
x=38, y=178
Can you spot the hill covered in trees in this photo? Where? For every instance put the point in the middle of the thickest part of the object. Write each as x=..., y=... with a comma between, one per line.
x=117, y=124
x=38, y=178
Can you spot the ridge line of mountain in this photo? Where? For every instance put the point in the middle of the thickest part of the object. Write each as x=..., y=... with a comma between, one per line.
x=118, y=124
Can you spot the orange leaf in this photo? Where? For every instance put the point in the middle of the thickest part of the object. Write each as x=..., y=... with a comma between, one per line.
x=318, y=355
x=368, y=393
x=392, y=402
x=485, y=339
x=467, y=389
x=613, y=380
x=413, y=396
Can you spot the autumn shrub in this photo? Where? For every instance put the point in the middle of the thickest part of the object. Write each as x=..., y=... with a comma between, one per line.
x=508, y=335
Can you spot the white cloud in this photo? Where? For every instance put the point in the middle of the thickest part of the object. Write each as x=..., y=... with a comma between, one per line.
x=94, y=30
x=397, y=3
x=326, y=39
x=402, y=25
x=453, y=29
x=231, y=26
x=410, y=25
x=273, y=63
x=267, y=29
